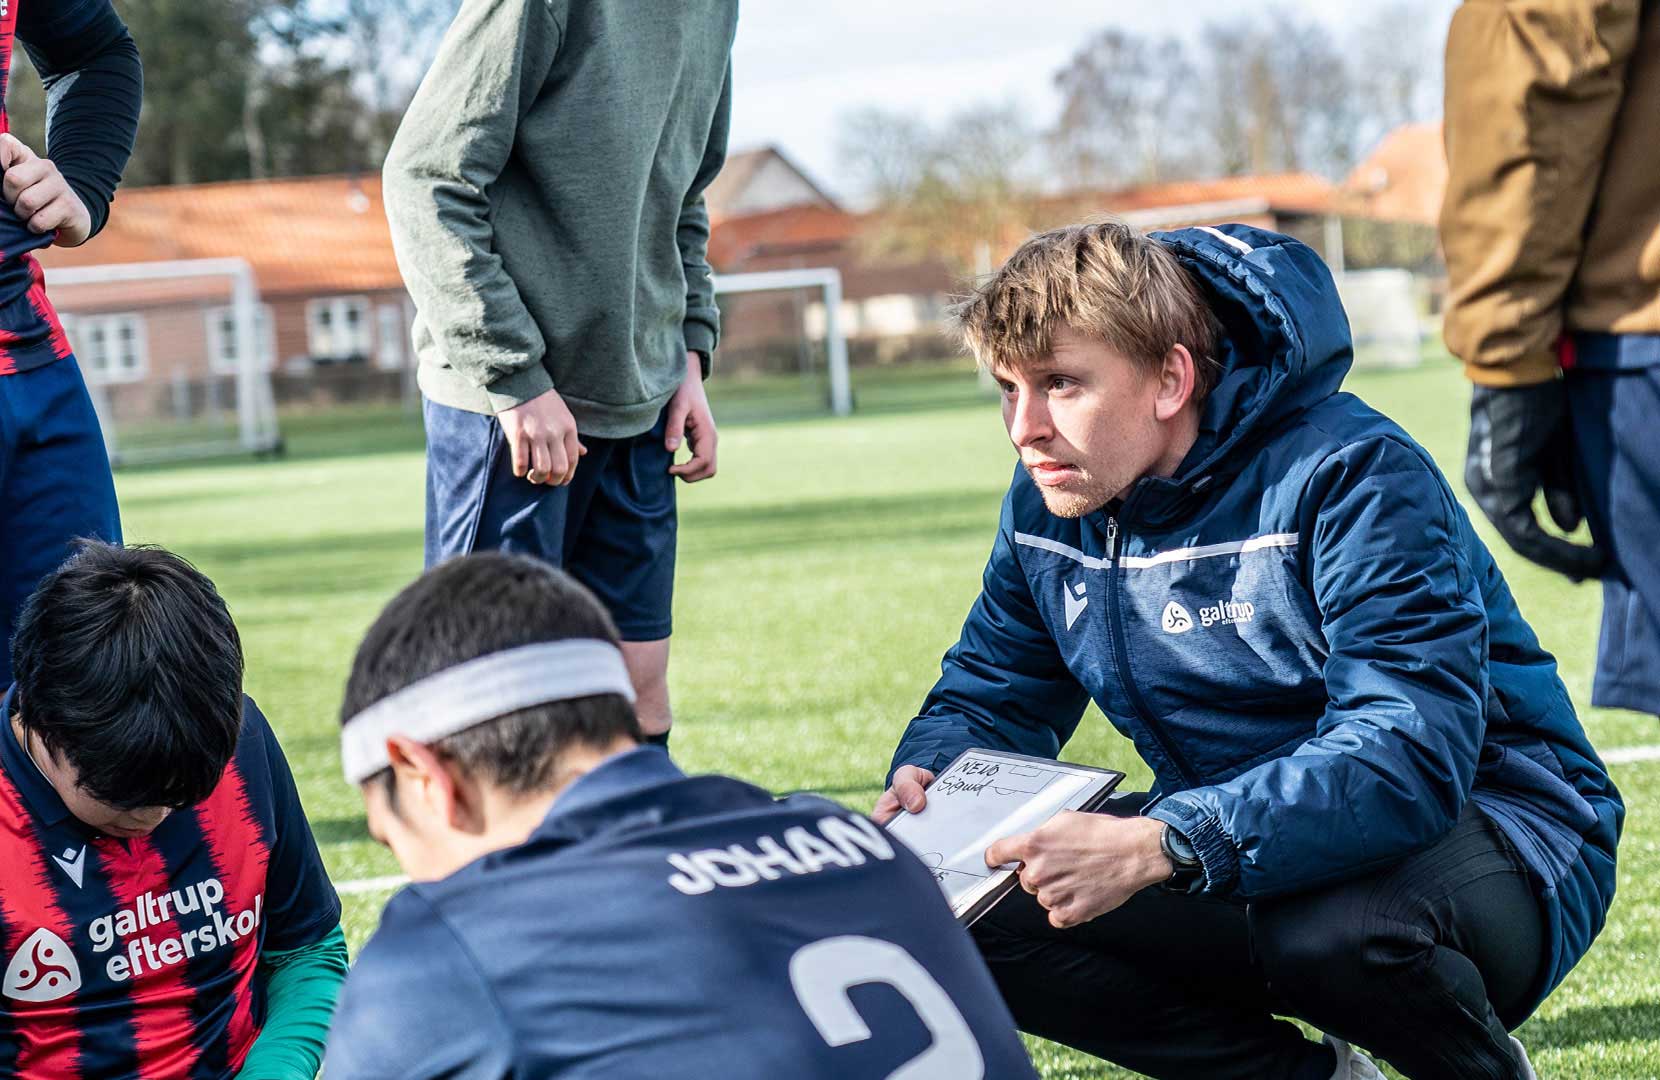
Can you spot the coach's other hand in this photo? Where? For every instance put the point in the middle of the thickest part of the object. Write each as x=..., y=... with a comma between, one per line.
x=1521, y=443
x=541, y=433
x=40, y=195
x=907, y=793
x=1081, y=866
x=691, y=420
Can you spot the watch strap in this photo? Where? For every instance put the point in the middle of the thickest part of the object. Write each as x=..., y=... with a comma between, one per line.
x=1188, y=873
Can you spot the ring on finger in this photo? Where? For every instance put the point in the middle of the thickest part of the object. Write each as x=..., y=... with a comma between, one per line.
x=536, y=476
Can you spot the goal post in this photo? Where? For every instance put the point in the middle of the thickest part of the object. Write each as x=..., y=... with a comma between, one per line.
x=829, y=281
x=177, y=354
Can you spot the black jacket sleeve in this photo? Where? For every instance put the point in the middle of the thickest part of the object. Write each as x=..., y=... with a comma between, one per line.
x=94, y=83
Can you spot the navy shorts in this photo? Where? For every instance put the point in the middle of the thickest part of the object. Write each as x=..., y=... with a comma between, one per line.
x=613, y=527
x=1614, y=411
x=55, y=483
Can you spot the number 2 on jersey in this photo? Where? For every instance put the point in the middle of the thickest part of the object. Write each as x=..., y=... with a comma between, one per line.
x=822, y=973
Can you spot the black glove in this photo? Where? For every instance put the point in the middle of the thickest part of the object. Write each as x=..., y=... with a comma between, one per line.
x=1521, y=442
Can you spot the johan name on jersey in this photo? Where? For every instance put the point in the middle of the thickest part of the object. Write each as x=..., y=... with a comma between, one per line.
x=799, y=850
x=220, y=930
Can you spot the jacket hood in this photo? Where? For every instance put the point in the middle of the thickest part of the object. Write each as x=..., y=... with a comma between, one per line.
x=1285, y=344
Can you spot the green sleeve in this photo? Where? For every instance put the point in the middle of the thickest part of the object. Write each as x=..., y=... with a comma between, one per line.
x=455, y=139
x=300, y=989
x=701, y=327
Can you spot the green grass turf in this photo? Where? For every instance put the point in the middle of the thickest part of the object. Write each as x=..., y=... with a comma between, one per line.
x=821, y=576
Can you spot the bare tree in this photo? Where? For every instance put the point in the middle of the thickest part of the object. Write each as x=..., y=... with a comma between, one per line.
x=884, y=152
x=1125, y=105
x=942, y=191
x=1396, y=53
x=1316, y=89
x=392, y=43
x=1277, y=95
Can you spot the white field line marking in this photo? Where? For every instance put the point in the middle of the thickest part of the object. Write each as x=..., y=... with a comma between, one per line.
x=1625, y=755
x=371, y=885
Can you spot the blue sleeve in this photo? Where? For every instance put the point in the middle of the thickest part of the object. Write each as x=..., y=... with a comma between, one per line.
x=94, y=85
x=1393, y=758
x=416, y=1006
x=1003, y=685
x=301, y=905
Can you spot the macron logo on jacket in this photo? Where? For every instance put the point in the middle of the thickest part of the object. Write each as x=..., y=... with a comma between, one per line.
x=1076, y=601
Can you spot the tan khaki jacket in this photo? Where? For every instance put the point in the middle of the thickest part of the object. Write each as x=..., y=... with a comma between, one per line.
x=1552, y=213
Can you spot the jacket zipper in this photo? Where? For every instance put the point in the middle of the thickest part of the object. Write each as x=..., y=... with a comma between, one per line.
x=1121, y=664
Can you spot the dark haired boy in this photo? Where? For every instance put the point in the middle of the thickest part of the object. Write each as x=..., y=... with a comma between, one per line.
x=163, y=908
x=584, y=909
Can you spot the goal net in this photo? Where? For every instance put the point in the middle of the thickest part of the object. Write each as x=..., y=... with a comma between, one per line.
x=178, y=356
x=783, y=345
x=794, y=344
x=1385, y=317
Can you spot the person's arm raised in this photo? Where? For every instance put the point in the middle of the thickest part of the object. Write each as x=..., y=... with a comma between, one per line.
x=94, y=82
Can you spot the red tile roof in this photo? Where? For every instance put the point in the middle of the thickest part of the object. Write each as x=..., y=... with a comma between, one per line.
x=314, y=235
x=328, y=235
x=1292, y=192
x=1404, y=178
x=795, y=229
x=729, y=188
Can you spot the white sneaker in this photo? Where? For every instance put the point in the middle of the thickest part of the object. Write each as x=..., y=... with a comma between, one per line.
x=1521, y=1059
x=1351, y=1063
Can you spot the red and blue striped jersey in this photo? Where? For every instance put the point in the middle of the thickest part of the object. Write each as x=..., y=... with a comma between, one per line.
x=30, y=333
x=139, y=958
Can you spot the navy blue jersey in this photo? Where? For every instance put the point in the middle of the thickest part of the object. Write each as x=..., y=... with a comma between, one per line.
x=128, y=958
x=659, y=925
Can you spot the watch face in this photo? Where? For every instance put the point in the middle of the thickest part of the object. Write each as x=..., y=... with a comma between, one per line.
x=1179, y=848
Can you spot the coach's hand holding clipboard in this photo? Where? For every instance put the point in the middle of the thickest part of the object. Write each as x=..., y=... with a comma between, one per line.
x=993, y=820
x=1081, y=866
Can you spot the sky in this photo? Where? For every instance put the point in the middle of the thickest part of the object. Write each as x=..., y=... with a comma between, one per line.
x=798, y=65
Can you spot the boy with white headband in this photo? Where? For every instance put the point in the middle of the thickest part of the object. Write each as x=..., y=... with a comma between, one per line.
x=582, y=908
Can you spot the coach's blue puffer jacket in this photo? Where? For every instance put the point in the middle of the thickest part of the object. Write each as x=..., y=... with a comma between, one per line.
x=1300, y=631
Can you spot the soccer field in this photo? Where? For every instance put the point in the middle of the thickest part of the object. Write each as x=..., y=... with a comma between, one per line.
x=821, y=575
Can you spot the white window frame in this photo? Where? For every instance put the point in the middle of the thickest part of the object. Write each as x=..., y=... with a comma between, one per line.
x=392, y=334
x=324, y=344
x=96, y=362
x=222, y=348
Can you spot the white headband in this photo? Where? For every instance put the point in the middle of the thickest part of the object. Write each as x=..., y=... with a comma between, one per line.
x=457, y=698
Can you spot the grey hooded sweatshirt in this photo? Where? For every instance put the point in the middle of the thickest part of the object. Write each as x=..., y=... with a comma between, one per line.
x=545, y=193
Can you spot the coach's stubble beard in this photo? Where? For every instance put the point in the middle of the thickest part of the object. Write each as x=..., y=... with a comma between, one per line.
x=1082, y=495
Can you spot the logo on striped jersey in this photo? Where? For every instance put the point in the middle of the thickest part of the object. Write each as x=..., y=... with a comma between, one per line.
x=71, y=862
x=42, y=969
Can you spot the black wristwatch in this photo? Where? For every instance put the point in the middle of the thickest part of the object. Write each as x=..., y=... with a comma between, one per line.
x=1189, y=874
x=704, y=361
